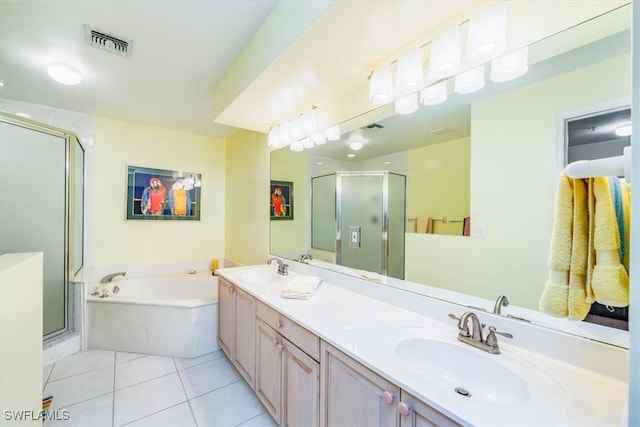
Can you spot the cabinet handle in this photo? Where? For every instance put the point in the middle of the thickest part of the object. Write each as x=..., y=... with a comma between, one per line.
x=279, y=324
x=404, y=409
x=387, y=397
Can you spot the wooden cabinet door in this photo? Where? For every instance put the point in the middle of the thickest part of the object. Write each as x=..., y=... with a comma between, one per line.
x=226, y=318
x=245, y=336
x=269, y=368
x=301, y=388
x=416, y=413
x=352, y=395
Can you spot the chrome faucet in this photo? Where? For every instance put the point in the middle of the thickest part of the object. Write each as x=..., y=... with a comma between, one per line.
x=282, y=267
x=304, y=258
x=109, y=277
x=474, y=338
x=502, y=301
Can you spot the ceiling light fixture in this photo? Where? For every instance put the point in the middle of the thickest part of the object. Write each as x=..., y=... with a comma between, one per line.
x=65, y=74
x=624, y=129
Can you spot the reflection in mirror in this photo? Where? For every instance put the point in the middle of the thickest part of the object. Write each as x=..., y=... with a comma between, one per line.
x=504, y=145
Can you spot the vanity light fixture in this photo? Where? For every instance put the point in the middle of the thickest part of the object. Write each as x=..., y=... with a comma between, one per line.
x=470, y=81
x=510, y=66
x=301, y=132
x=487, y=34
x=407, y=104
x=435, y=94
x=381, y=86
x=624, y=129
x=65, y=74
x=333, y=133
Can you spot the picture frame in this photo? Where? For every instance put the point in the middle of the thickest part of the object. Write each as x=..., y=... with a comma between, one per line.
x=161, y=194
x=281, y=200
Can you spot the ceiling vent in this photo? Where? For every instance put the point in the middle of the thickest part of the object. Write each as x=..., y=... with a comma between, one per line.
x=108, y=42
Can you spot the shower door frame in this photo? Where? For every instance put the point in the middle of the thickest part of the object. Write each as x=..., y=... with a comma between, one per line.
x=68, y=138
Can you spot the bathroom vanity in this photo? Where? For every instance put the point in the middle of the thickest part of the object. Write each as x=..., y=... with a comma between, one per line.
x=358, y=353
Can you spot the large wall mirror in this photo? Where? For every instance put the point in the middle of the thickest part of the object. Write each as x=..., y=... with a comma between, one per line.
x=486, y=161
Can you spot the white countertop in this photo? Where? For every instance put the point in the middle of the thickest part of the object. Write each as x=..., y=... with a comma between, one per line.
x=369, y=329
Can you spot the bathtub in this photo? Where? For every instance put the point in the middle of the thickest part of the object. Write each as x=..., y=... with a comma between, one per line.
x=167, y=315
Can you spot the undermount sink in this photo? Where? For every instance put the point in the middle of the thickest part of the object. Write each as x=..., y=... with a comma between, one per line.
x=260, y=276
x=464, y=370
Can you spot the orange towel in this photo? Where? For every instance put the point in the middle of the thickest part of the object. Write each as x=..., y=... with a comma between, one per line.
x=429, y=225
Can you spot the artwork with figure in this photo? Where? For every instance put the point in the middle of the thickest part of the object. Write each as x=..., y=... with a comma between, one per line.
x=281, y=205
x=162, y=194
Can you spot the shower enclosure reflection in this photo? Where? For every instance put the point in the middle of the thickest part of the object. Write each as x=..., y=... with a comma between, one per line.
x=357, y=220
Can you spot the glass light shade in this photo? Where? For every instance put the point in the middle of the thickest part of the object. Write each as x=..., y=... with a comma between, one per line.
x=64, y=74
x=356, y=145
x=510, y=66
x=295, y=125
x=319, y=138
x=333, y=133
x=407, y=105
x=470, y=81
x=308, y=122
x=307, y=142
x=381, y=86
x=274, y=140
x=444, y=59
x=487, y=35
x=435, y=94
x=284, y=133
x=296, y=146
x=410, y=72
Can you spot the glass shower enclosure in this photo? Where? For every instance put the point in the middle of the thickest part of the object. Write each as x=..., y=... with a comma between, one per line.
x=361, y=217
x=41, y=189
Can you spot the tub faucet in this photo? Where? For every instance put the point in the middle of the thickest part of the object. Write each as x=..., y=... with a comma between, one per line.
x=109, y=277
x=282, y=267
x=502, y=301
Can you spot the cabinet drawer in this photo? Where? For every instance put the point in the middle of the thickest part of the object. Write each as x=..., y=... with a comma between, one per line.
x=305, y=340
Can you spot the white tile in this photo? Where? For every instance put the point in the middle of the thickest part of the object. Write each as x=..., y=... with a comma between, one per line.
x=143, y=369
x=183, y=363
x=80, y=387
x=176, y=416
x=96, y=412
x=227, y=406
x=81, y=362
x=147, y=398
x=122, y=356
x=262, y=420
x=208, y=376
x=46, y=371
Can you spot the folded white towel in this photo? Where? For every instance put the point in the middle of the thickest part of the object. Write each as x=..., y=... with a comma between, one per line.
x=300, y=287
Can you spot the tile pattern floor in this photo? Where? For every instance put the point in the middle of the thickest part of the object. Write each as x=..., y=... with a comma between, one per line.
x=111, y=389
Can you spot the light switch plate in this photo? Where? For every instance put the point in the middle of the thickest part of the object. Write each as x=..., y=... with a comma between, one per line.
x=354, y=236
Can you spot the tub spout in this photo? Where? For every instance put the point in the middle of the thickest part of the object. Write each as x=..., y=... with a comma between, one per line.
x=109, y=277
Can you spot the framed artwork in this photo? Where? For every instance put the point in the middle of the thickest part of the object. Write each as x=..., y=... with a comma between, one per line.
x=158, y=194
x=281, y=205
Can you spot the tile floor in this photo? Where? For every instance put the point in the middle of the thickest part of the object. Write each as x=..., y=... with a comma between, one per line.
x=111, y=389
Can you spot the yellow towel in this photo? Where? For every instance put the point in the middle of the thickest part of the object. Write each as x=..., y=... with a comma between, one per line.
x=555, y=297
x=578, y=306
x=610, y=281
x=626, y=208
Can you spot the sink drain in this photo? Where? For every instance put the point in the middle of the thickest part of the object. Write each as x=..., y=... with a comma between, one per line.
x=462, y=392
